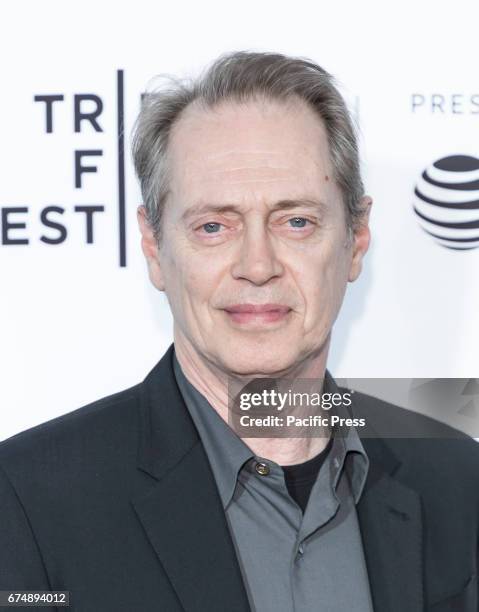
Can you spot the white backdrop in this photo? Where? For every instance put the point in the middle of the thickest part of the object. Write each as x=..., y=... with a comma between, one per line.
x=75, y=325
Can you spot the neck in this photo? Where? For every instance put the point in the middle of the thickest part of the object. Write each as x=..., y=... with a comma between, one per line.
x=212, y=382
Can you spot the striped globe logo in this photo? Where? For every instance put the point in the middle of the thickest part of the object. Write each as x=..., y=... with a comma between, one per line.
x=446, y=202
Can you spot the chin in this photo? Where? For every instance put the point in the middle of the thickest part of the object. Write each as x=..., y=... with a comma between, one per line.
x=253, y=361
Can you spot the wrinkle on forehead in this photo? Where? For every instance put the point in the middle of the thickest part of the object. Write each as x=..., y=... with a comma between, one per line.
x=300, y=172
x=248, y=153
x=241, y=159
x=246, y=173
x=275, y=164
x=248, y=181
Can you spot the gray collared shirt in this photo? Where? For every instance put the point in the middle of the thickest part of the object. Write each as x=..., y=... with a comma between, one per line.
x=290, y=562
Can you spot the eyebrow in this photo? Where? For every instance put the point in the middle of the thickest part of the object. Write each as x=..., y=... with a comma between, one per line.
x=281, y=205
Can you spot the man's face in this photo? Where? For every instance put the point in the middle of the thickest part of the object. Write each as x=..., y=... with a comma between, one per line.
x=281, y=239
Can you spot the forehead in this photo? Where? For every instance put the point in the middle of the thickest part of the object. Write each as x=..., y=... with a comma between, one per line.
x=254, y=146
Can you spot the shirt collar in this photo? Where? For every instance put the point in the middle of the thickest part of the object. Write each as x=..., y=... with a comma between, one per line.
x=348, y=451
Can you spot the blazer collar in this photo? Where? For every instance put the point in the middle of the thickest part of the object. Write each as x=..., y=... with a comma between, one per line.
x=167, y=432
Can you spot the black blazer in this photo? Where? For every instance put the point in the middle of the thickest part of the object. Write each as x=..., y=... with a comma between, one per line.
x=116, y=503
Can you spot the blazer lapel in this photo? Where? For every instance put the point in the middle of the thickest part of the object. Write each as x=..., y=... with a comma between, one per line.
x=181, y=511
x=390, y=519
x=389, y=515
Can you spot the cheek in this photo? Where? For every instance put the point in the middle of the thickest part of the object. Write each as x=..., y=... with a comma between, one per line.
x=325, y=284
x=196, y=280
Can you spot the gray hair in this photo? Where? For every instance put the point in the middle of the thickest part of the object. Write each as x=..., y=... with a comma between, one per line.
x=242, y=76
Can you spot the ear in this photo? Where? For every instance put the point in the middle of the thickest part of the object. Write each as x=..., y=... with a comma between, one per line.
x=361, y=239
x=150, y=249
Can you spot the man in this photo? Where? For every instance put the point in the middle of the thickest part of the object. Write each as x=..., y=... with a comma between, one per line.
x=254, y=221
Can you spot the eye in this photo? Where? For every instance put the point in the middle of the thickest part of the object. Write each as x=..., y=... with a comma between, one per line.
x=211, y=228
x=299, y=221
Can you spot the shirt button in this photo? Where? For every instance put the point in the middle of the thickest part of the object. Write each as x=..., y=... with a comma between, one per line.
x=262, y=468
x=299, y=553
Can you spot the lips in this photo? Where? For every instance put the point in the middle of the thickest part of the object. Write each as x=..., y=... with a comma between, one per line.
x=257, y=313
x=257, y=308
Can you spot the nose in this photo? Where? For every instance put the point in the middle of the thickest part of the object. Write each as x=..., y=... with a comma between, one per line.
x=257, y=259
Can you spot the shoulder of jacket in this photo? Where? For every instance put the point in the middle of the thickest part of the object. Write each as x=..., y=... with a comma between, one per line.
x=106, y=413
x=424, y=445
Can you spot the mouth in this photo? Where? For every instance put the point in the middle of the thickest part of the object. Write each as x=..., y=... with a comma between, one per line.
x=257, y=313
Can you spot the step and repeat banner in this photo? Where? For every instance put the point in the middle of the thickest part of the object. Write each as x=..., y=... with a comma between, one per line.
x=79, y=319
